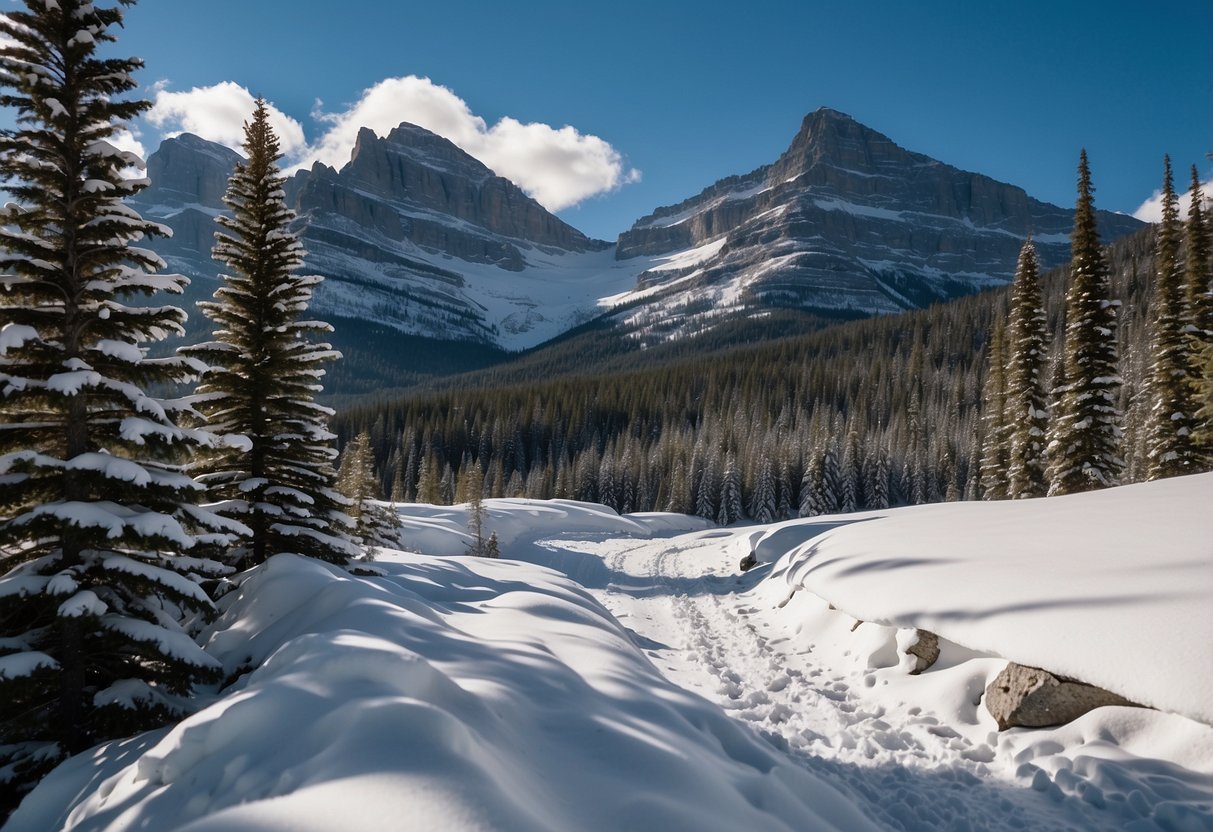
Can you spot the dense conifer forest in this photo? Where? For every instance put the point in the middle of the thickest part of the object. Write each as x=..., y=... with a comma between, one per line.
x=859, y=414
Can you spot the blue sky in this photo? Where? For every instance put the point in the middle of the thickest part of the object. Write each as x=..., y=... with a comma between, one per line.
x=687, y=92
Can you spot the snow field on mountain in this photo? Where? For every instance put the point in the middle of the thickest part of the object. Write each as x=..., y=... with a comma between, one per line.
x=653, y=686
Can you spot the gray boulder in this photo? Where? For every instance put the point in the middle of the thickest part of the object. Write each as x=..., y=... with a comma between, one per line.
x=1029, y=697
x=925, y=651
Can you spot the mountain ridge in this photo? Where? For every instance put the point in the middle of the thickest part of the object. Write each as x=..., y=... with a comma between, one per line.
x=415, y=235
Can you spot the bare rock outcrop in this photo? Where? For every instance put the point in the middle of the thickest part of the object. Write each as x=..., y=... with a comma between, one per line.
x=1028, y=697
x=847, y=221
x=925, y=651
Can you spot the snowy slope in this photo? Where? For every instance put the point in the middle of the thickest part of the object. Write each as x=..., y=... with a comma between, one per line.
x=651, y=686
x=1114, y=587
x=444, y=694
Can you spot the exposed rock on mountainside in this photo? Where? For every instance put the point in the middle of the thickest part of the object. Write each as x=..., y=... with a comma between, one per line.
x=845, y=221
x=412, y=233
x=416, y=236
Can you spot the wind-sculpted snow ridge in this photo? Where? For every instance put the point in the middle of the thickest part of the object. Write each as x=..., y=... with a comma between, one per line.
x=1113, y=587
x=441, y=693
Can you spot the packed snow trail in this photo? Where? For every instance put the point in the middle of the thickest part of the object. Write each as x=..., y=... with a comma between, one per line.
x=907, y=765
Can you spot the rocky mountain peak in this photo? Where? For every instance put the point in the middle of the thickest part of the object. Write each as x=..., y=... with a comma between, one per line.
x=831, y=137
x=188, y=170
x=845, y=221
x=413, y=184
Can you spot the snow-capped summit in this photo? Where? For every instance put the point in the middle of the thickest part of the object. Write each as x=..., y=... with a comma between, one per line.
x=844, y=221
x=417, y=236
x=412, y=233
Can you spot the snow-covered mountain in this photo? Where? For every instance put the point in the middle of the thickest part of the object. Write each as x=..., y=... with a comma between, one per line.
x=412, y=233
x=415, y=235
x=844, y=221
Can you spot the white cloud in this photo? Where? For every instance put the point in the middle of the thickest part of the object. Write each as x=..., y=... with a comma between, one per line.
x=218, y=113
x=129, y=141
x=559, y=167
x=1151, y=209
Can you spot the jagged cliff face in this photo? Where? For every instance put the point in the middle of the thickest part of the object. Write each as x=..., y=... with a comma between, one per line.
x=412, y=233
x=189, y=177
x=844, y=221
x=416, y=235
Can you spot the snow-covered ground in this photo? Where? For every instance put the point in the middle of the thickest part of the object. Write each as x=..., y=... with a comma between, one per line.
x=652, y=686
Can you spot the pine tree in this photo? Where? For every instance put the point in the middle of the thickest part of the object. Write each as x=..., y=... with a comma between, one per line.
x=428, y=485
x=1170, y=445
x=1198, y=271
x=265, y=373
x=96, y=509
x=374, y=523
x=1026, y=400
x=1204, y=398
x=1198, y=286
x=878, y=494
x=730, y=492
x=849, y=475
x=831, y=482
x=762, y=500
x=995, y=456
x=1085, y=452
x=476, y=512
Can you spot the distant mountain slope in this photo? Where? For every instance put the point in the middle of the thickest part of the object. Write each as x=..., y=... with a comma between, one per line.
x=412, y=234
x=845, y=220
x=416, y=237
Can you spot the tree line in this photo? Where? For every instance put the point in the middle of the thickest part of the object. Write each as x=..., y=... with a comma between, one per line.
x=1063, y=432
x=883, y=411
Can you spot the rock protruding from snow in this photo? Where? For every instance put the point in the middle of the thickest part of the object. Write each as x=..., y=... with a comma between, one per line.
x=925, y=651
x=1028, y=697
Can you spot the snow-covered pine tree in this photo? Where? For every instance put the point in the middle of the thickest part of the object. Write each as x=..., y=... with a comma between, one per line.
x=374, y=523
x=476, y=513
x=709, y=486
x=762, y=500
x=265, y=371
x=878, y=492
x=96, y=508
x=1198, y=266
x=850, y=489
x=831, y=481
x=730, y=491
x=811, y=498
x=1169, y=442
x=1026, y=399
x=1085, y=451
x=1198, y=288
x=995, y=434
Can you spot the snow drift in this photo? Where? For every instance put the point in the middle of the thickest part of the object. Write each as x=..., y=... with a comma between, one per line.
x=443, y=693
x=1114, y=587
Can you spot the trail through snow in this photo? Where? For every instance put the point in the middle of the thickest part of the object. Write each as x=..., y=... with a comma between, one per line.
x=813, y=682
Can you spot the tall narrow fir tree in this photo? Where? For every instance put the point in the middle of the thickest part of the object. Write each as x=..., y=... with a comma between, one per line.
x=1026, y=409
x=1085, y=451
x=96, y=508
x=1198, y=288
x=1169, y=442
x=265, y=371
x=995, y=430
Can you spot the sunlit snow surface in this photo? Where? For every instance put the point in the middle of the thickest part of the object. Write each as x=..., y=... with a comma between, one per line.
x=652, y=686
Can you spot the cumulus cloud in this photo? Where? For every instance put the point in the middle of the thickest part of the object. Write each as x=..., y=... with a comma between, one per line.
x=128, y=141
x=217, y=113
x=1151, y=209
x=559, y=167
